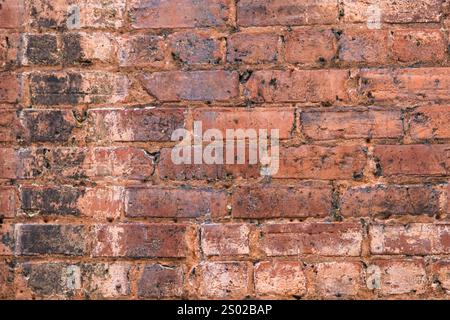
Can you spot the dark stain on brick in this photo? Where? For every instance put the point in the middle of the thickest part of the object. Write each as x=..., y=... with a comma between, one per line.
x=52, y=89
x=48, y=126
x=72, y=50
x=42, y=49
x=60, y=201
x=37, y=239
x=45, y=279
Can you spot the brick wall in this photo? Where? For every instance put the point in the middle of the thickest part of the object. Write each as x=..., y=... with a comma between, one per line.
x=91, y=205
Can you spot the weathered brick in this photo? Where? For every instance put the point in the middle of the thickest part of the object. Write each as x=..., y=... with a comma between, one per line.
x=419, y=46
x=143, y=50
x=392, y=276
x=322, y=163
x=413, y=160
x=389, y=200
x=196, y=48
x=98, y=202
x=297, y=86
x=7, y=238
x=274, y=201
x=11, y=12
x=6, y=279
x=223, y=119
x=48, y=279
x=161, y=281
x=67, y=14
x=403, y=11
x=87, y=48
x=48, y=125
x=106, y=280
x=412, y=239
x=328, y=125
x=8, y=202
x=338, y=279
x=168, y=170
x=140, y=240
x=326, y=239
x=441, y=274
x=405, y=84
x=175, y=202
x=286, y=12
x=45, y=239
x=73, y=88
x=9, y=49
x=253, y=48
x=9, y=163
x=364, y=46
x=430, y=122
x=11, y=129
x=225, y=239
x=311, y=46
x=10, y=88
x=179, y=14
x=124, y=125
x=40, y=49
x=223, y=280
x=193, y=85
x=280, y=278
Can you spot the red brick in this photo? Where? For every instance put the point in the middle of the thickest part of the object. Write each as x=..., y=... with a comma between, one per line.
x=54, y=239
x=8, y=202
x=102, y=203
x=329, y=125
x=402, y=11
x=364, y=46
x=414, y=160
x=389, y=200
x=180, y=14
x=6, y=279
x=168, y=170
x=225, y=239
x=280, y=278
x=311, y=46
x=325, y=239
x=140, y=240
x=11, y=12
x=124, y=125
x=196, y=48
x=282, y=119
x=391, y=277
x=441, y=273
x=107, y=280
x=82, y=14
x=194, y=85
x=142, y=50
x=413, y=239
x=73, y=88
x=11, y=129
x=175, y=202
x=322, y=163
x=161, y=281
x=10, y=88
x=297, y=86
x=286, y=12
x=253, y=48
x=223, y=280
x=419, y=46
x=338, y=279
x=8, y=163
x=406, y=84
x=40, y=49
x=278, y=201
x=9, y=49
x=430, y=122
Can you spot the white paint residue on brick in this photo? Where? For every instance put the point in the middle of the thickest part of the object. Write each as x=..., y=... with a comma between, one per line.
x=374, y=17
x=73, y=17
